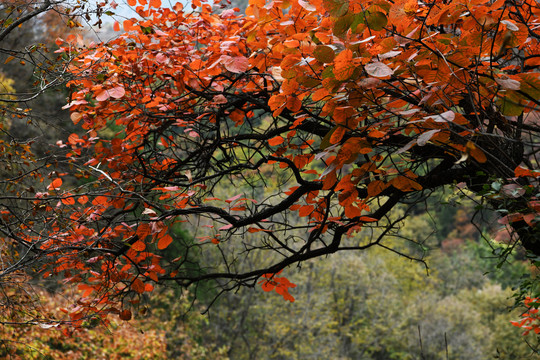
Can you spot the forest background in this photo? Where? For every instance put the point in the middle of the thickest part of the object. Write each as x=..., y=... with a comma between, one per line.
x=367, y=305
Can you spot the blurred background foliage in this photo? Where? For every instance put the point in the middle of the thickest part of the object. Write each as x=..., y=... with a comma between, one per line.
x=366, y=305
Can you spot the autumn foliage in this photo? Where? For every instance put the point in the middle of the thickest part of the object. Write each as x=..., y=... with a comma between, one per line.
x=529, y=319
x=356, y=107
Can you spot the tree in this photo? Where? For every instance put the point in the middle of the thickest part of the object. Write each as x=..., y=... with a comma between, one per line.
x=357, y=111
x=30, y=72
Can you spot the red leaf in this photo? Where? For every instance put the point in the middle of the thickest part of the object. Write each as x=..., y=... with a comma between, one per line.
x=377, y=134
x=374, y=188
x=143, y=230
x=125, y=315
x=55, y=185
x=73, y=139
x=276, y=141
x=128, y=25
x=367, y=219
x=68, y=201
x=138, y=286
x=524, y=172
x=268, y=285
x=164, y=242
x=305, y=210
x=343, y=65
x=138, y=245
x=255, y=230
x=233, y=199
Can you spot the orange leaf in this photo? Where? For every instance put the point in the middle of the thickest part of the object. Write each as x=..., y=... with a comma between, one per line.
x=293, y=104
x=101, y=200
x=374, y=188
x=475, y=152
x=377, y=134
x=276, y=101
x=138, y=245
x=155, y=3
x=116, y=26
x=305, y=210
x=330, y=180
x=343, y=65
x=405, y=184
x=352, y=211
x=153, y=275
x=56, y=183
x=367, y=219
x=73, y=139
x=128, y=25
x=143, y=230
x=267, y=285
x=291, y=43
x=337, y=135
x=320, y=94
x=76, y=117
x=68, y=201
x=164, y=242
x=276, y=141
x=524, y=172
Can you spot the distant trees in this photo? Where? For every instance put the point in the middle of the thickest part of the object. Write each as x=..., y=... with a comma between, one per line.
x=375, y=305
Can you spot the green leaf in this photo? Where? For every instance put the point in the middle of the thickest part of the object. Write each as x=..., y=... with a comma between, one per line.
x=308, y=81
x=359, y=18
x=328, y=72
x=325, y=142
x=510, y=105
x=336, y=8
x=343, y=24
x=324, y=54
x=376, y=20
x=531, y=84
x=147, y=30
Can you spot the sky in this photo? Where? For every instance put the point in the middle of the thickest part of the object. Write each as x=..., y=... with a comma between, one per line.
x=121, y=12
